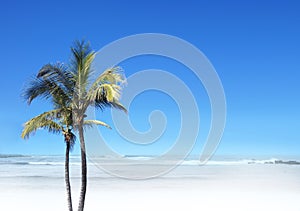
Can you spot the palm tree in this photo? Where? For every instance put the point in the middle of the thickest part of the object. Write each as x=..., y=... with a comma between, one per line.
x=58, y=120
x=71, y=91
x=103, y=92
x=53, y=81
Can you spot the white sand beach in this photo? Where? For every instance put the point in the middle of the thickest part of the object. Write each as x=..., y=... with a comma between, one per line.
x=189, y=187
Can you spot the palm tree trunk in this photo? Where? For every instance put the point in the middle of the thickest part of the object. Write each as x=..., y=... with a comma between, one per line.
x=67, y=176
x=83, y=170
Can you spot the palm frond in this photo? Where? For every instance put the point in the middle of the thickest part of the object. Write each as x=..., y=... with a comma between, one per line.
x=45, y=120
x=87, y=62
x=39, y=87
x=58, y=73
x=36, y=88
x=90, y=123
x=82, y=58
x=106, y=90
x=119, y=106
x=114, y=75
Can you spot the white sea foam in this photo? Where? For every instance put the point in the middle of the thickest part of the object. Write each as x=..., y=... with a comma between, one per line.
x=75, y=161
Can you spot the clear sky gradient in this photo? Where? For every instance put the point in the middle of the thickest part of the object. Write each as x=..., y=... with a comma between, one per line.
x=253, y=45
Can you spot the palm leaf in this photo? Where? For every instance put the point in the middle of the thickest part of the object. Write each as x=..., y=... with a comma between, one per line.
x=114, y=75
x=106, y=90
x=58, y=73
x=119, y=106
x=45, y=88
x=42, y=121
x=90, y=123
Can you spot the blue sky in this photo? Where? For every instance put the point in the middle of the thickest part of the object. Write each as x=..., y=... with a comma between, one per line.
x=253, y=45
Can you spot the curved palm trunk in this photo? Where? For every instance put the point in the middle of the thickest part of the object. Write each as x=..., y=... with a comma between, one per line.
x=67, y=176
x=83, y=170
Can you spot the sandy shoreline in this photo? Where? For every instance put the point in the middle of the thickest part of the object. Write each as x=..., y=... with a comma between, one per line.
x=252, y=187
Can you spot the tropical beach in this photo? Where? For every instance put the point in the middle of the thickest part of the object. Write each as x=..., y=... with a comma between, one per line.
x=150, y=105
